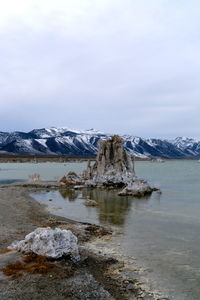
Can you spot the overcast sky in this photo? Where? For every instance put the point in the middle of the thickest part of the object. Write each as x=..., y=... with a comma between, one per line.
x=128, y=66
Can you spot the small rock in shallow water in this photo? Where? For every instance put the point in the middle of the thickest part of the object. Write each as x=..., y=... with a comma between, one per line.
x=90, y=203
x=137, y=187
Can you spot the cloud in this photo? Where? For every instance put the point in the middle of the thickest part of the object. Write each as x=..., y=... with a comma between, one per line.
x=128, y=67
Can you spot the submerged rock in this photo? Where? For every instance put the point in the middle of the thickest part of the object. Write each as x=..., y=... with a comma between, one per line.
x=90, y=202
x=53, y=243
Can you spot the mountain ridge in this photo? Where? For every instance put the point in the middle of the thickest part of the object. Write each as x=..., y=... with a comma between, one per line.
x=84, y=143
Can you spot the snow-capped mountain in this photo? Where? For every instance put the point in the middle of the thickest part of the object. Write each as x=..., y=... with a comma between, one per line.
x=52, y=141
x=84, y=143
x=188, y=145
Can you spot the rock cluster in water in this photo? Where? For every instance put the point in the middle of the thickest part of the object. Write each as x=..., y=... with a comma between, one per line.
x=53, y=243
x=113, y=167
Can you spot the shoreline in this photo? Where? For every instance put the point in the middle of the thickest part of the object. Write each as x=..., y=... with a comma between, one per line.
x=12, y=158
x=40, y=159
x=22, y=214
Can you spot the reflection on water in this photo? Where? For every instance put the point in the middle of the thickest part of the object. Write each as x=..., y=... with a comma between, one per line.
x=111, y=209
x=70, y=194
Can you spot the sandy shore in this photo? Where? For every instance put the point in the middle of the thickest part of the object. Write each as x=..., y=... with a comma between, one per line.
x=96, y=276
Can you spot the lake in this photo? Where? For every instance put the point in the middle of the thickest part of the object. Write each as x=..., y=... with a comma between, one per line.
x=161, y=231
x=50, y=171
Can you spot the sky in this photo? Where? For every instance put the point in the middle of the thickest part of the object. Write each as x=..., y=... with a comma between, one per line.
x=127, y=67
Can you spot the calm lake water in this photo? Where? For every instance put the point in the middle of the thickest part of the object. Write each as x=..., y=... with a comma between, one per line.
x=162, y=231
x=11, y=172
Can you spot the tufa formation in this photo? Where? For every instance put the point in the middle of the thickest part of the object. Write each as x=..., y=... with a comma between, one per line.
x=113, y=167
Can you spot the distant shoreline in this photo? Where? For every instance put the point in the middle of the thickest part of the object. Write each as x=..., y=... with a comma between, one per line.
x=41, y=158
x=12, y=158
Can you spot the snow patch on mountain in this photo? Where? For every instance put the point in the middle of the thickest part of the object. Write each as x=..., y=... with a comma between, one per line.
x=184, y=142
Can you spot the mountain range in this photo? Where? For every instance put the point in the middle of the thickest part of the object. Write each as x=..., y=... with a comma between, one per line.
x=77, y=143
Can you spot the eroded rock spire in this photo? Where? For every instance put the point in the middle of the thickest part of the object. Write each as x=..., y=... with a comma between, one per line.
x=113, y=166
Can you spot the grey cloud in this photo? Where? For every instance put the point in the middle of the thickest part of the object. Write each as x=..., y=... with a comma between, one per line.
x=127, y=67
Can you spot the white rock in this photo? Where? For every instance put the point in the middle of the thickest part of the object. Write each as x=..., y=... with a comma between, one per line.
x=49, y=242
x=136, y=188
